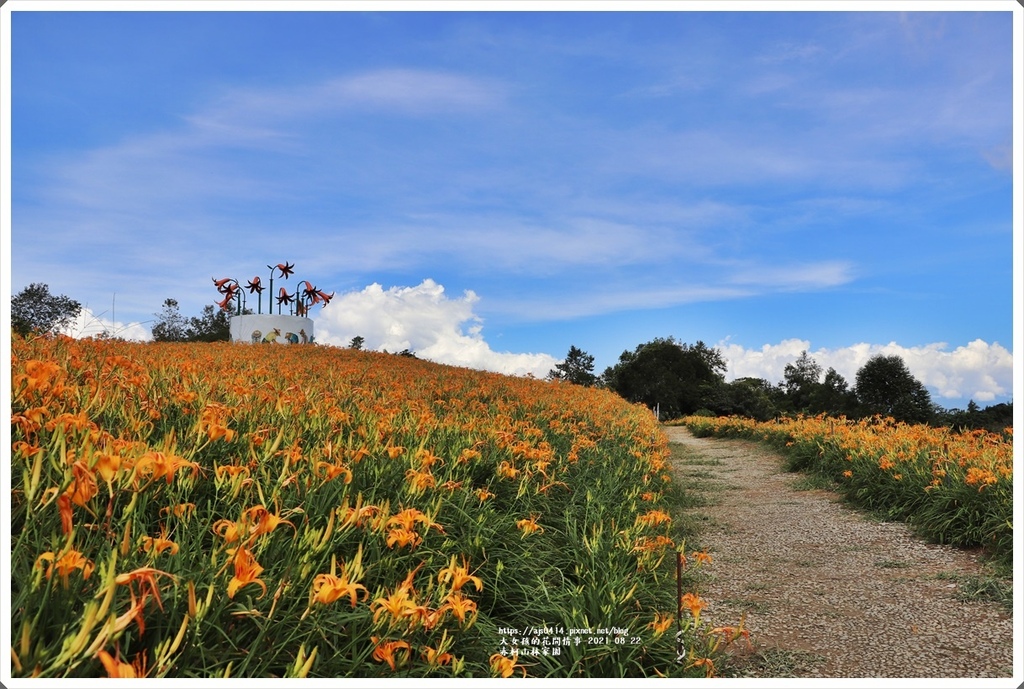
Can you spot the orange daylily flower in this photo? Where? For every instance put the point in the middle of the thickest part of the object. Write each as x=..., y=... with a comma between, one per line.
x=702, y=557
x=419, y=480
x=506, y=470
x=247, y=571
x=159, y=544
x=468, y=455
x=399, y=605
x=646, y=543
x=460, y=606
x=403, y=537
x=407, y=518
x=707, y=664
x=231, y=470
x=458, y=575
x=385, y=651
x=330, y=471
x=83, y=488
x=228, y=530
x=529, y=526
x=354, y=516
x=328, y=588
x=66, y=563
x=433, y=658
x=163, y=465
x=118, y=669
x=694, y=603
x=505, y=666
x=427, y=459
x=141, y=583
x=66, y=514
x=107, y=465
x=182, y=511
x=262, y=520
x=660, y=623
x=653, y=518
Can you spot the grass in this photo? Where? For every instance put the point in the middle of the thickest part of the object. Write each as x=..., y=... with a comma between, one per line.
x=759, y=607
x=772, y=662
x=814, y=482
x=990, y=587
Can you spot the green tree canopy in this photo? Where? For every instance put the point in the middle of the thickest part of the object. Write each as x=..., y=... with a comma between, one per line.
x=752, y=397
x=35, y=310
x=170, y=325
x=800, y=380
x=677, y=377
x=578, y=368
x=833, y=396
x=885, y=386
x=213, y=325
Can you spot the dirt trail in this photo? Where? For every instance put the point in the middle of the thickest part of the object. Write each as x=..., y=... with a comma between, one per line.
x=828, y=592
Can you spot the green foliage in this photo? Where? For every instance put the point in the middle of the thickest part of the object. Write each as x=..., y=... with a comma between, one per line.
x=800, y=380
x=35, y=310
x=994, y=418
x=357, y=342
x=675, y=376
x=170, y=324
x=578, y=368
x=751, y=397
x=886, y=387
x=214, y=325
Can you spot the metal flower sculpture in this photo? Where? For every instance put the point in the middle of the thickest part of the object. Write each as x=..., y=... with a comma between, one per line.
x=305, y=294
x=231, y=290
x=284, y=298
x=256, y=286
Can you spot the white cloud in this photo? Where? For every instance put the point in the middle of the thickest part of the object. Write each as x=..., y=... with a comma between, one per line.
x=977, y=370
x=88, y=324
x=424, y=320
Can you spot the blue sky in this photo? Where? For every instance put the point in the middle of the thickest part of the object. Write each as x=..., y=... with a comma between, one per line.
x=489, y=188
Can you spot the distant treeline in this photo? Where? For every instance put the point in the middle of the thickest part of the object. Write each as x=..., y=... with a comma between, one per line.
x=679, y=379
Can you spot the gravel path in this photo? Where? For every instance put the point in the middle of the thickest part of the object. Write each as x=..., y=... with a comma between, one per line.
x=828, y=592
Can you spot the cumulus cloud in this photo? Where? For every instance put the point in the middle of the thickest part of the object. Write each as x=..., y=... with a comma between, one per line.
x=425, y=320
x=978, y=370
x=88, y=324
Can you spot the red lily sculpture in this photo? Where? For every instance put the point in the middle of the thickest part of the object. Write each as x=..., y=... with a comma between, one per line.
x=305, y=294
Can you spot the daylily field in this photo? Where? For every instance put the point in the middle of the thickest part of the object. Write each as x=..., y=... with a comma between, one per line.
x=215, y=510
x=952, y=487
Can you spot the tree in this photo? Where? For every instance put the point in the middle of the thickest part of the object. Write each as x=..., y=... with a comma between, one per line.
x=170, y=325
x=885, y=386
x=833, y=396
x=800, y=379
x=35, y=310
x=578, y=368
x=357, y=342
x=214, y=325
x=755, y=398
x=680, y=379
